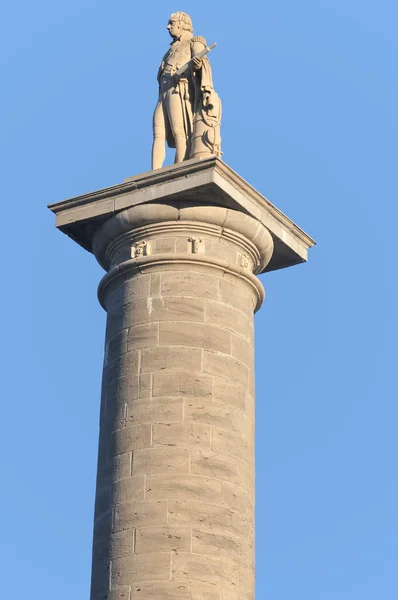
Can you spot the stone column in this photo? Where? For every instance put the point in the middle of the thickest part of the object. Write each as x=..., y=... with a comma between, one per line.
x=182, y=247
x=174, y=514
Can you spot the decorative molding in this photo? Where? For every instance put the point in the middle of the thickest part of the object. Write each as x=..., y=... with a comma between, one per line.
x=245, y=261
x=140, y=249
x=195, y=244
x=180, y=262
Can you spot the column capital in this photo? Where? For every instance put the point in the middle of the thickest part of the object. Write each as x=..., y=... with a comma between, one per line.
x=180, y=236
x=193, y=183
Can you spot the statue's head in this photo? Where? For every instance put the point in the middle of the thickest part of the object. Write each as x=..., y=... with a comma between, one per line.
x=179, y=23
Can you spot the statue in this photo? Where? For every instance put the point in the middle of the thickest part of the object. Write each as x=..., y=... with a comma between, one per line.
x=188, y=113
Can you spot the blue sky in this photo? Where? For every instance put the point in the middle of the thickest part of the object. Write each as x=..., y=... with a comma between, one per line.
x=310, y=119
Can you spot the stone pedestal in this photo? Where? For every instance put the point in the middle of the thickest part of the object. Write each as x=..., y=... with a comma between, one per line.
x=174, y=513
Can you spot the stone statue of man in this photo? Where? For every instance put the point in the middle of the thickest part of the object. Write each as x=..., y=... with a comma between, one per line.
x=188, y=112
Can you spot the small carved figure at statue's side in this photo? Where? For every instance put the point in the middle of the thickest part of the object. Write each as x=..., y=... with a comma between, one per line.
x=188, y=113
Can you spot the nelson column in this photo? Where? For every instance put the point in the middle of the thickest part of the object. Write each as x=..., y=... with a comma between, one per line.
x=182, y=247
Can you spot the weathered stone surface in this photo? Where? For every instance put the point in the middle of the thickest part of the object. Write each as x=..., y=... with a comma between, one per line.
x=197, y=285
x=131, y=438
x=237, y=296
x=156, y=309
x=143, y=336
x=182, y=384
x=155, y=410
x=139, y=514
x=119, y=593
x=231, y=444
x=227, y=317
x=131, y=489
x=160, y=460
x=171, y=358
x=207, y=569
x=228, y=367
x=212, y=464
x=128, y=291
x=208, y=516
x=135, y=567
x=163, y=539
x=166, y=590
x=181, y=434
x=230, y=391
x=243, y=351
x=196, y=335
x=186, y=487
x=218, y=414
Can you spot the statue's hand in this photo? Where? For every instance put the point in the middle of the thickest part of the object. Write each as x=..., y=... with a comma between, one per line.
x=197, y=63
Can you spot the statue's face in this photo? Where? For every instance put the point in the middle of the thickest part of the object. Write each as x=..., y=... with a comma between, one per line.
x=174, y=28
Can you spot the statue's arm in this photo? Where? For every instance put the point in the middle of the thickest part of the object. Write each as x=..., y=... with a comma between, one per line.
x=198, y=43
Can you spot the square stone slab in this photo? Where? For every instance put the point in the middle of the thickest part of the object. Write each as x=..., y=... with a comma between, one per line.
x=200, y=181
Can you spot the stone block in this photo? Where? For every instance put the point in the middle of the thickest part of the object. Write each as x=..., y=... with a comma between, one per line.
x=113, y=469
x=230, y=392
x=154, y=309
x=120, y=593
x=243, y=351
x=128, y=291
x=207, y=516
x=103, y=498
x=160, y=460
x=155, y=284
x=142, y=336
x=238, y=498
x=179, y=308
x=113, y=416
x=164, y=245
x=131, y=438
x=218, y=414
x=121, y=543
x=129, y=389
x=155, y=410
x=237, y=295
x=103, y=525
x=184, y=487
x=196, y=335
x=215, y=465
x=223, y=545
x=230, y=444
x=181, y=434
x=139, y=514
x=166, y=590
x=222, y=365
x=246, y=475
x=250, y=407
x=123, y=366
x=136, y=567
x=184, y=283
x=115, y=346
x=181, y=384
x=171, y=357
x=205, y=569
x=205, y=591
x=163, y=539
x=128, y=490
x=228, y=317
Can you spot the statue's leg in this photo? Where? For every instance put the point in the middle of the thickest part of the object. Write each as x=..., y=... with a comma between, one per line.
x=159, y=137
x=177, y=124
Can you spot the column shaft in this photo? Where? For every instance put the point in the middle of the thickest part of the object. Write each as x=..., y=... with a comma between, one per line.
x=174, y=515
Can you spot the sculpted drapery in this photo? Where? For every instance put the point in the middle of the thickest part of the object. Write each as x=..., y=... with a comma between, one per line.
x=188, y=113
